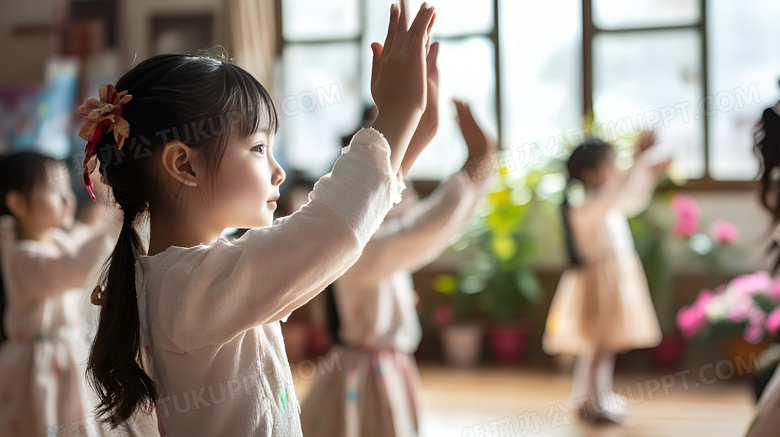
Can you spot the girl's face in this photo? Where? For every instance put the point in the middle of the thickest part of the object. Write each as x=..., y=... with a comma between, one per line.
x=247, y=183
x=51, y=203
x=603, y=173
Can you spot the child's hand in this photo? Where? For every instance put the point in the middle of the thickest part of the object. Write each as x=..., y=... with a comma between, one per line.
x=645, y=142
x=659, y=169
x=399, y=79
x=429, y=122
x=479, y=145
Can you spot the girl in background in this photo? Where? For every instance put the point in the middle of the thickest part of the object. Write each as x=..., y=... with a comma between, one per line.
x=191, y=322
x=767, y=420
x=602, y=304
x=372, y=309
x=42, y=384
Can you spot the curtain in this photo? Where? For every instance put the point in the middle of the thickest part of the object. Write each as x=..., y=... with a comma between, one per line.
x=252, y=29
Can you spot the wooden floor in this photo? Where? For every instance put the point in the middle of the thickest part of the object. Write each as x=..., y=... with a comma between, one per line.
x=516, y=403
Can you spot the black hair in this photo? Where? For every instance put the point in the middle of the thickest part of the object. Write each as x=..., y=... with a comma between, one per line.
x=201, y=102
x=332, y=310
x=587, y=156
x=767, y=148
x=20, y=172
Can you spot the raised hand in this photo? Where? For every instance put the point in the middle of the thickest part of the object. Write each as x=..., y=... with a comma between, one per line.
x=429, y=122
x=399, y=79
x=646, y=141
x=479, y=145
x=659, y=169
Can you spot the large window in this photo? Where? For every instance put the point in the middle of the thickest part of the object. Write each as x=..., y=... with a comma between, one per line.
x=697, y=71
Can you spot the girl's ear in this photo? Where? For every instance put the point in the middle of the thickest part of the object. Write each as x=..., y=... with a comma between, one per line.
x=17, y=204
x=177, y=160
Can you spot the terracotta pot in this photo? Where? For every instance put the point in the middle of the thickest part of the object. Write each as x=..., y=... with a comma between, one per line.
x=508, y=342
x=744, y=355
x=462, y=344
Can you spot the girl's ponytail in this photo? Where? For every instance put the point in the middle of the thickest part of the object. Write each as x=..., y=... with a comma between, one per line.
x=114, y=367
x=586, y=156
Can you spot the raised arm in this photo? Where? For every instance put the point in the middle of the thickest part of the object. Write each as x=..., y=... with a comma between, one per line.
x=271, y=271
x=419, y=235
x=631, y=193
x=44, y=272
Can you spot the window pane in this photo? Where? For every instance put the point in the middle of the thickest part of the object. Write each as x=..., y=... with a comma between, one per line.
x=652, y=80
x=744, y=65
x=318, y=103
x=611, y=14
x=541, y=73
x=467, y=73
x=320, y=19
x=454, y=17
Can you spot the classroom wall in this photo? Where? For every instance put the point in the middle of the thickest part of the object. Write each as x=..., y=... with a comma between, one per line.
x=24, y=56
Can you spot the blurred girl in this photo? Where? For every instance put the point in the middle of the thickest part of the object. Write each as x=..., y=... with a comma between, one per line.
x=42, y=384
x=602, y=305
x=373, y=315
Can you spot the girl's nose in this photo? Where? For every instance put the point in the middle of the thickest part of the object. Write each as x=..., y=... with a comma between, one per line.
x=279, y=175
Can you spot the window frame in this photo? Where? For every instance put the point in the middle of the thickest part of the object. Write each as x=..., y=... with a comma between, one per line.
x=589, y=31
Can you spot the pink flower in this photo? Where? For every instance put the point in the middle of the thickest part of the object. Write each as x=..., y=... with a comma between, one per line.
x=754, y=331
x=773, y=321
x=687, y=214
x=752, y=283
x=703, y=299
x=691, y=320
x=442, y=315
x=753, y=334
x=774, y=290
x=724, y=232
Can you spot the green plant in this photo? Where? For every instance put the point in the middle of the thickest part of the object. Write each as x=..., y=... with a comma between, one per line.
x=498, y=278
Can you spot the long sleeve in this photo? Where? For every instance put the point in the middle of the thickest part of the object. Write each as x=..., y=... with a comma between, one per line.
x=260, y=278
x=43, y=271
x=420, y=233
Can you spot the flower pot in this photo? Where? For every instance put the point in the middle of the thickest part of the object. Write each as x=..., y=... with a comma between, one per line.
x=668, y=354
x=508, y=342
x=462, y=344
x=745, y=355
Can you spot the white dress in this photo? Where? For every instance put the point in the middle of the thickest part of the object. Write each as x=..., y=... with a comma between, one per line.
x=374, y=392
x=605, y=303
x=43, y=389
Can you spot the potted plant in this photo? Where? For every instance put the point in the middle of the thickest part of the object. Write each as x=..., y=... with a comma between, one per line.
x=460, y=333
x=745, y=312
x=498, y=278
x=708, y=248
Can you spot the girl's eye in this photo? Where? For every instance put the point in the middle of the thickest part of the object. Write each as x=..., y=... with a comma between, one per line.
x=260, y=148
